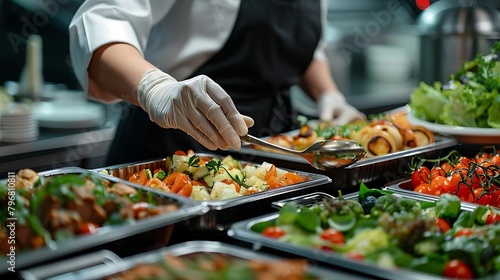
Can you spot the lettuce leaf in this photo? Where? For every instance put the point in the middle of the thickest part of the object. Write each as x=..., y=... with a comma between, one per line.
x=494, y=113
x=427, y=101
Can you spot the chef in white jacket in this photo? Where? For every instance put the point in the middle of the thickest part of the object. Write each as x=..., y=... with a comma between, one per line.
x=202, y=72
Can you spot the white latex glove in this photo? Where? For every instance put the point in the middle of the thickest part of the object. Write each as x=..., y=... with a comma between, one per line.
x=334, y=108
x=198, y=106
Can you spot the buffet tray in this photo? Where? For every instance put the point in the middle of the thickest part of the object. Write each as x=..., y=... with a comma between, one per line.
x=105, y=264
x=242, y=231
x=365, y=170
x=151, y=232
x=222, y=213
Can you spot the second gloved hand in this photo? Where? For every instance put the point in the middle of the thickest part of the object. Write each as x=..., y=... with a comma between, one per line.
x=198, y=106
x=333, y=107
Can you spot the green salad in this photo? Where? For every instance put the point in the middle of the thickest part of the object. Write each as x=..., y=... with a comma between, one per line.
x=471, y=98
x=379, y=228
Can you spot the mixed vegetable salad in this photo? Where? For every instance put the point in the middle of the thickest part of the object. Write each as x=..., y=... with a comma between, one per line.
x=471, y=98
x=473, y=179
x=211, y=178
x=395, y=232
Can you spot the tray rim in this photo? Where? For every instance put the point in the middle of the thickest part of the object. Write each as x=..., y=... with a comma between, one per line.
x=105, y=234
x=242, y=231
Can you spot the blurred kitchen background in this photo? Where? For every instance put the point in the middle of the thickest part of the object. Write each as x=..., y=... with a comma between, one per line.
x=374, y=46
x=379, y=51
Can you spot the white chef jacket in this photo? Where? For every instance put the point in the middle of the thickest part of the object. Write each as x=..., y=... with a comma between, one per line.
x=176, y=36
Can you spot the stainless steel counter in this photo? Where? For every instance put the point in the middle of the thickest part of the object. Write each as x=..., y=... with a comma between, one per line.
x=56, y=148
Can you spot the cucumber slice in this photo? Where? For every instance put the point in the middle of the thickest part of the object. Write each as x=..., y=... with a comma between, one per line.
x=201, y=172
x=342, y=223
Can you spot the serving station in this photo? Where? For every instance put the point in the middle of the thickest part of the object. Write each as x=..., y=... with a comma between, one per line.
x=418, y=199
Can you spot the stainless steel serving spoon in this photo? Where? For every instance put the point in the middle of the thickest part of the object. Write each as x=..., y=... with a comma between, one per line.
x=322, y=155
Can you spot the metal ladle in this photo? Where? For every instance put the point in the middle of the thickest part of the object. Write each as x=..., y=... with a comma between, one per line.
x=322, y=155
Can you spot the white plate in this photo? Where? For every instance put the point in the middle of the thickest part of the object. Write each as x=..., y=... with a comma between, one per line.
x=68, y=115
x=473, y=135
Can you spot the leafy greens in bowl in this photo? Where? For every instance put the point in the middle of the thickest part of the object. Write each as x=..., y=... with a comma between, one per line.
x=470, y=99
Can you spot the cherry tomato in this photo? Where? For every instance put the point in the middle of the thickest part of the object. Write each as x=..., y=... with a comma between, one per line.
x=457, y=269
x=87, y=228
x=493, y=218
x=437, y=171
x=481, y=155
x=438, y=185
x=495, y=159
x=421, y=175
x=447, y=168
x=442, y=225
x=482, y=159
x=333, y=235
x=465, y=161
x=495, y=198
x=464, y=192
x=464, y=232
x=475, y=181
x=273, y=232
x=422, y=188
x=482, y=197
x=457, y=180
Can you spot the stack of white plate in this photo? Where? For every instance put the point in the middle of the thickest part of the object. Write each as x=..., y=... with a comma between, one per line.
x=17, y=124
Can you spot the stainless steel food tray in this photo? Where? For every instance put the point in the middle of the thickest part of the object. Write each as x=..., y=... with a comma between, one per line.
x=221, y=214
x=155, y=231
x=389, y=167
x=242, y=231
x=111, y=264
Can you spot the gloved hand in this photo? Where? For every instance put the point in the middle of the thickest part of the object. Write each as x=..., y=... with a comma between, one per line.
x=198, y=106
x=334, y=108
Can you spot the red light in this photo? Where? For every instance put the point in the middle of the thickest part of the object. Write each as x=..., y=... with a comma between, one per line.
x=423, y=4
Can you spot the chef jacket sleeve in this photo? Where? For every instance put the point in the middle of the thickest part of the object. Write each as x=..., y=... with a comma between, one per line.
x=100, y=22
x=319, y=53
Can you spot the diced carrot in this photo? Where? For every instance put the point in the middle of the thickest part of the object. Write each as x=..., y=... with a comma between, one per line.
x=291, y=178
x=170, y=179
x=181, y=180
x=155, y=183
x=274, y=182
x=134, y=178
x=140, y=177
x=271, y=172
x=186, y=190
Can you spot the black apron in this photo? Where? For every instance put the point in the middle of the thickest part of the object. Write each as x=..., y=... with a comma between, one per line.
x=269, y=48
